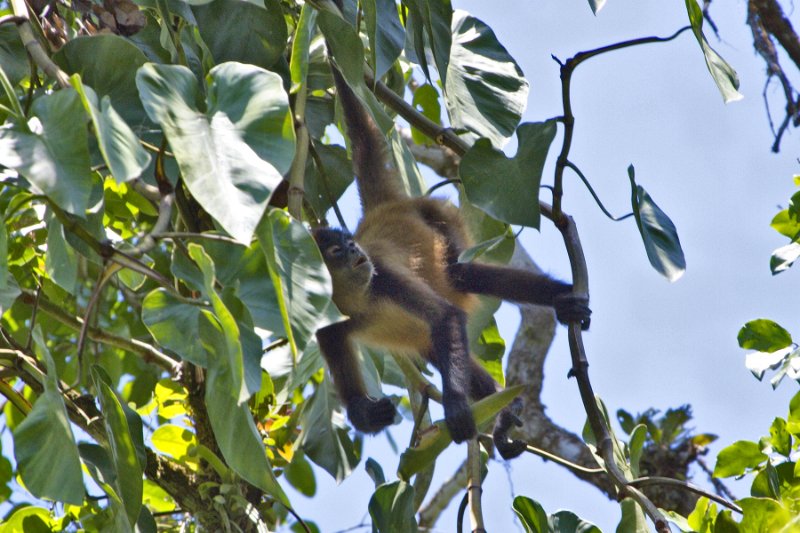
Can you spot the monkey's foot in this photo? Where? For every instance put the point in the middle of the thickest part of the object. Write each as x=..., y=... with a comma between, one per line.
x=369, y=415
x=458, y=417
x=508, y=449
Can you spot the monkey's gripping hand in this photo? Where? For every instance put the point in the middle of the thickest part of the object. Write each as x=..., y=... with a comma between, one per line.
x=573, y=308
x=369, y=415
x=508, y=449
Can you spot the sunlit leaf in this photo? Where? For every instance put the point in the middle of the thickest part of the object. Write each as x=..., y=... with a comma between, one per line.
x=596, y=5
x=735, y=459
x=784, y=257
x=763, y=335
x=233, y=149
x=485, y=90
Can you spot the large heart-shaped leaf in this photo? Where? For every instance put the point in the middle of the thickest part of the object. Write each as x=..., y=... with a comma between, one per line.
x=233, y=149
x=485, y=91
x=508, y=189
x=55, y=155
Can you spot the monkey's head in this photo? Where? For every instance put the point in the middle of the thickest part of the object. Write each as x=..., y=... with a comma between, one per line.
x=350, y=268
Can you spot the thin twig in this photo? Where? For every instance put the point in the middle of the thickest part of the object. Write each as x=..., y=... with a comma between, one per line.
x=33, y=46
x=657, y=480
x=591, y=190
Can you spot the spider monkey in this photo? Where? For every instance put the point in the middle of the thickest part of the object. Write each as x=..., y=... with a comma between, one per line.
x=399, y=280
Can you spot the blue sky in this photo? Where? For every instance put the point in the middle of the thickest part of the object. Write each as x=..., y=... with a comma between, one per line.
x=709, y=166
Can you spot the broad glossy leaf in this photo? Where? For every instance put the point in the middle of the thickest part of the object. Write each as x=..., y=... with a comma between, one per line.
x=723, y=74
x=763, y=335
x=122, y=447
x=325, y=185
x=233, y=149
x=107, y=63
x=426, y=101
x=55, y=156
x=304, y=282
x=175, y=441
x=300, y=474
x=30, y=520
x=236, y=433
x=121, y=149
x=174, y=324
x=247, y=32
x=157, y=498
x=508, y=188
x=765, y=514
x=428, y=28
x=385, y=33
x=324, y=437
x=485, y=91
x=437, y=437
x=786, y=223
x=658, y=233
x=13, y=58
x=636, y=446
x=392, y=508
x=735, y=459
x=531, y=514
x=779, y=437
x=44, y=446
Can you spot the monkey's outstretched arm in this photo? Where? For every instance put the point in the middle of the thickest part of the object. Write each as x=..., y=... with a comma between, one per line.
x=367, y=414
x=520, y=286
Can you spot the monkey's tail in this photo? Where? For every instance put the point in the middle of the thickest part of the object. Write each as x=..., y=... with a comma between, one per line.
x=376, y=176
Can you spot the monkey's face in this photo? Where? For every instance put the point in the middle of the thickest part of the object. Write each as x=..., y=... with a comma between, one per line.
x=349, y=266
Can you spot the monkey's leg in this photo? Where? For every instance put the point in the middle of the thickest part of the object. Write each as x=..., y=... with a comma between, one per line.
x=449, y=344
x=520, y=286
x=366, y=414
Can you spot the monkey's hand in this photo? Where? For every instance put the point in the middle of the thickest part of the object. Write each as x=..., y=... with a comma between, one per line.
x=458, y=417
x=573, y=308
x=508, y=449
x=369, y=415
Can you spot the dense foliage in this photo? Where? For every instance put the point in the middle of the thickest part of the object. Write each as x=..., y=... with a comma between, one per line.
x=159, y=288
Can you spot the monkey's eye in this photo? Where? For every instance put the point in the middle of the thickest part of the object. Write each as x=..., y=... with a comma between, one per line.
x=334, y=250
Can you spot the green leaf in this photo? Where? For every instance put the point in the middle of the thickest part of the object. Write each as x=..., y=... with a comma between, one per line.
x=569, y=522
x=437, y=438
x=763, y=335
x=658, y=233
x=633, y=519
x=174, y=325
x=223, y=341
x=531, y=514
x=44, y=446
x=247, y=32
x=386, y=34
x=299, y=272
x=375, y=472
x=107, y=63
x=30, y=520
x=122, y=448
x=231, y=155
x=298, y=66
x=300, y=474
x=735, y=459
x=636, y=446
x=759, y=362
x=429, y=27
x=236, y=433
x=13, y=58
x=426, y=100
x=392, y=508
x=485, y=90
x=786, y=223
x=324, y=186
x=764, y=514
x=784, y=257
x=56, y=160
x=61, y=261
x=508, y=189
x=121, y=149
x=723, y=74
x=324, y=437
